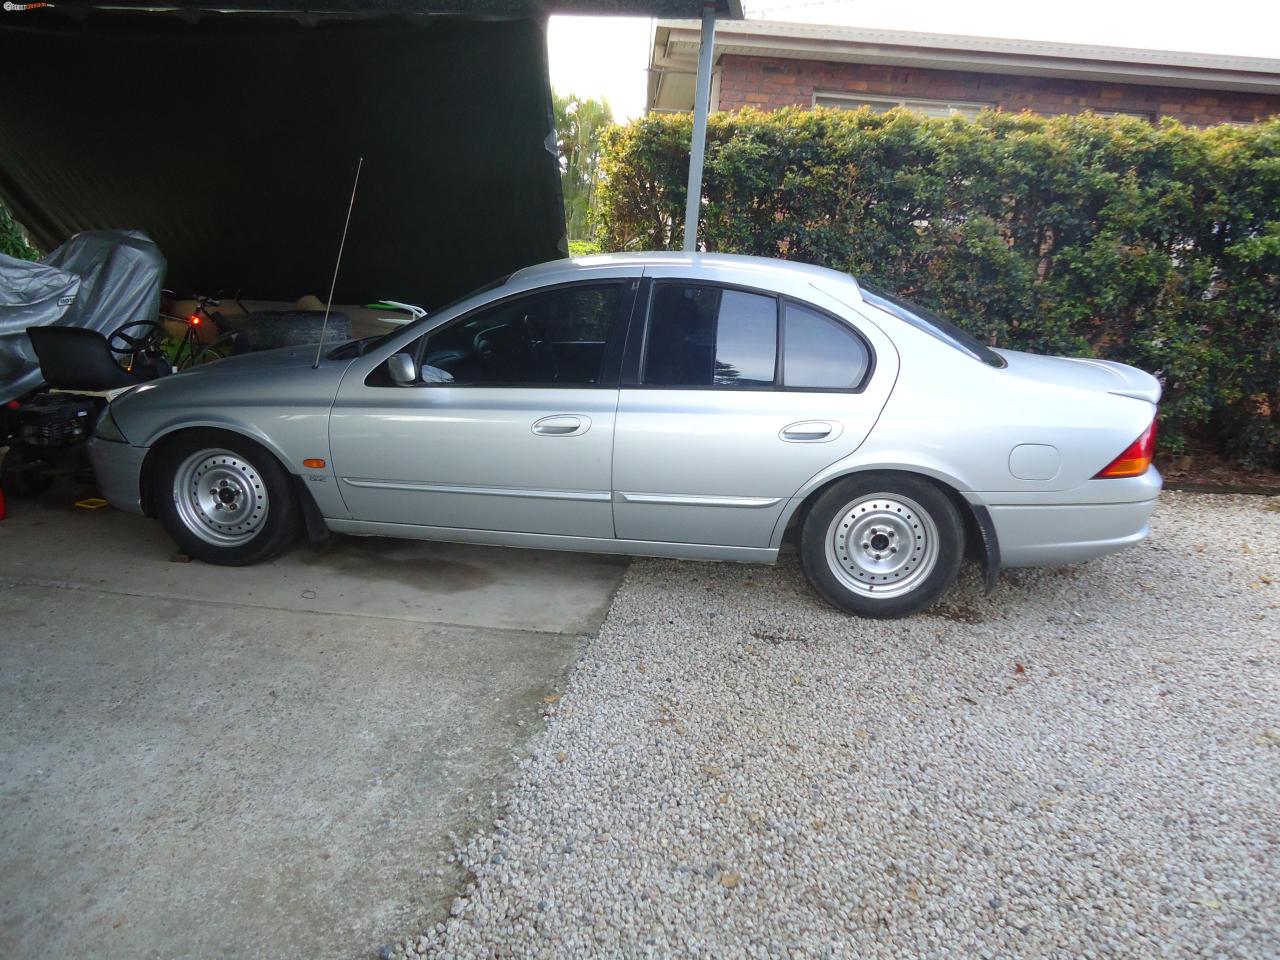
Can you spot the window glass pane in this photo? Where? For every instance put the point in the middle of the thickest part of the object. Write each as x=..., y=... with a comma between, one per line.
x=928, y=108
x=853, y=103
x=931, y=323
x=705, y=336
x=1136, y=114
x=821, y=353
x=578, y=314
x=875, y=106
x=746, y=339
x=554, y=338
x=681, y=344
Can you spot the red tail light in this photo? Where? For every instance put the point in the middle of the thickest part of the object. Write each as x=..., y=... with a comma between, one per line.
x=195, y=319
x=1136, y=457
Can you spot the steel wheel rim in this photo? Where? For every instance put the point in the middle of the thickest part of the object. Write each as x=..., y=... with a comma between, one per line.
x=220, y=497
x=882, y=545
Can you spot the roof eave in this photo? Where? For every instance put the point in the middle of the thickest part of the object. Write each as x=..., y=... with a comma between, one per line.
x=675, y=49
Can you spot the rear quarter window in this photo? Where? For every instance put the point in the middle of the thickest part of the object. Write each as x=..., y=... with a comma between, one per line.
x=820, y=352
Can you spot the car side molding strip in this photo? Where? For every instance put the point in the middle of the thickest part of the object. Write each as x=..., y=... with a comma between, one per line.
x=602, y=496
x=754, y=503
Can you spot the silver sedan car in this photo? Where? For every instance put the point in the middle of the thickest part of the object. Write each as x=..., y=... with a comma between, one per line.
x=707, y=407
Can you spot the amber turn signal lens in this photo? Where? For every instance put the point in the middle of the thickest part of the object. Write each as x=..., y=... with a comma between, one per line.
x=313, y=463
x=1136, y=458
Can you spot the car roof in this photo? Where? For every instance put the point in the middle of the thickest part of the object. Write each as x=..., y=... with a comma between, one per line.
x=760, y=266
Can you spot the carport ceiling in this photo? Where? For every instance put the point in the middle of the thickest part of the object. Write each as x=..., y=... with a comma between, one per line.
x=473, y=8
x=230, y=133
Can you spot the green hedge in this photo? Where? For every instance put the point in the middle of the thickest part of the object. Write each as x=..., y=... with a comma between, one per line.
x=1089, y=236
x=13, y=242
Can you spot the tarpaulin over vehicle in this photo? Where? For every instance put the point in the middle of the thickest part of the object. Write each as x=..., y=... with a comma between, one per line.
x=99, y=279
x=233, y=141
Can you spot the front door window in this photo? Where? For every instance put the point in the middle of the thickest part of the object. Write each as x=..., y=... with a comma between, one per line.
x=554, y=338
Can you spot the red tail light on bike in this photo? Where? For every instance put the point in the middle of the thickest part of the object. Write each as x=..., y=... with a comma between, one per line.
x=1135, y=459
x=194, y=320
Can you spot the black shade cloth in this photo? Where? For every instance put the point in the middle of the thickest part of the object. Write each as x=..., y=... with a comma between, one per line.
x=233, y=143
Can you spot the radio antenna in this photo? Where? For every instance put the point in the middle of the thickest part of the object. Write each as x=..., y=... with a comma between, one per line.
x=334, y=283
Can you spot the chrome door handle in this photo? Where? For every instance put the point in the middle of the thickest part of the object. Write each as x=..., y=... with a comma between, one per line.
x=562, y=425
x=810, y=431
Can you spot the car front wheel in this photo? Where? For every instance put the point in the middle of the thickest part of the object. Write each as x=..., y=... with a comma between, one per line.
x=225, y=499
x=882, y=545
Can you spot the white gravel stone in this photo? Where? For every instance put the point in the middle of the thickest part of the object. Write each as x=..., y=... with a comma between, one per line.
x=1085, y=763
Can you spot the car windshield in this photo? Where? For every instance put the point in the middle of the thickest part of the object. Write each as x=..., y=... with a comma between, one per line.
x=358, y=348
x=930, y=323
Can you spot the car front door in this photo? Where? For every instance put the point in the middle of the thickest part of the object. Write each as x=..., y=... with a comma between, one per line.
x=508, y=424
x=733, y=398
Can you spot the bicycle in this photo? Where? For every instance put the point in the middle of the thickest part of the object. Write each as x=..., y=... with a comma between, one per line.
x=192, y=350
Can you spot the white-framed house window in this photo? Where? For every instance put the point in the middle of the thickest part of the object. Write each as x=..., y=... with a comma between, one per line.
x=924, y=107
x=1146, y=115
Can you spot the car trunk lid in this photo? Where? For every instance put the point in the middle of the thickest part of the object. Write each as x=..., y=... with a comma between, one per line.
x=1085, y=374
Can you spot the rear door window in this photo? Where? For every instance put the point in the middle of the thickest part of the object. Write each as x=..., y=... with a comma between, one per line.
x=705, y=336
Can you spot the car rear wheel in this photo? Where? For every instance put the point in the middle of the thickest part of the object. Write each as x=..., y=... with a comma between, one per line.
x=225, y=499
x=882, y=545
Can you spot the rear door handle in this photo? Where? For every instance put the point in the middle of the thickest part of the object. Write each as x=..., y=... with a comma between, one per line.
x=562, y=425
x=810, y=431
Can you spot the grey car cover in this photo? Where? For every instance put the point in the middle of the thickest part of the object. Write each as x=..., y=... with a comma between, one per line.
x=99, y=279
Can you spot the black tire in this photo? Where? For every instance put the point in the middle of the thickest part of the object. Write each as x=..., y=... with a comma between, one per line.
x=882, y=544
x=262, y=518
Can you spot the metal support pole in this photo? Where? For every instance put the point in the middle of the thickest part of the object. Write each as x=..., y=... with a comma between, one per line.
x=701, y=107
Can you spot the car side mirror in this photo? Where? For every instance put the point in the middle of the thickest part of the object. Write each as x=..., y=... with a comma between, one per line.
x=403, y=369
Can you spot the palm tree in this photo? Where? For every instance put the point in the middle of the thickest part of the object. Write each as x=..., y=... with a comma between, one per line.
x=579, y=125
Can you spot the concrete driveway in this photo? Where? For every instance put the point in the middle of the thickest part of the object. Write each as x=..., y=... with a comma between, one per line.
x=203, y=761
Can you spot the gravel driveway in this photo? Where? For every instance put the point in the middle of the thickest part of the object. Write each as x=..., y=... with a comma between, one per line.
x=1086, y=763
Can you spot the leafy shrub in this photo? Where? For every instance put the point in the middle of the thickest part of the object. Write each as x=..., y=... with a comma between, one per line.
x=13, y=241
x=583, y=248
x=1082, y=235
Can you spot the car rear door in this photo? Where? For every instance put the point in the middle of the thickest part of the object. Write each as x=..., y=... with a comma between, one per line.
x=733, y=395
x=510, y=427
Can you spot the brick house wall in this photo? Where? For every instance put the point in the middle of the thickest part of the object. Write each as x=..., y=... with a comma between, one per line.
x=770, y=83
